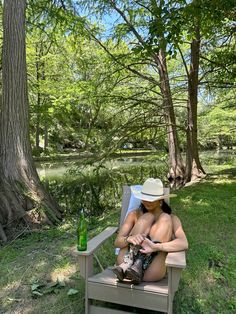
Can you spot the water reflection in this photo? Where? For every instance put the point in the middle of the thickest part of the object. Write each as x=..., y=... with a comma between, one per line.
x=129, y=161
x=53, y=168
x=59, y=168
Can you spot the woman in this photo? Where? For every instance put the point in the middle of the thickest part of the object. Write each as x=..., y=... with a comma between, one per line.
x=146, y=236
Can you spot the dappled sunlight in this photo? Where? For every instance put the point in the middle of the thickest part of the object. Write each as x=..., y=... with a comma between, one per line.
x=40, y=264
x=27, y=306
x=223, y=180
x=46, y=266
x=14, y=295
x=186, y=199
x=206, y=278
x=210, y=279
x=65, y=226
x=187, y=202
x=63, y=274
x=202, y=202
x=9, y=288
x=20, y=306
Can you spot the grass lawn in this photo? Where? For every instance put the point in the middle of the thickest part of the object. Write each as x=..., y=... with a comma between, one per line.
x=39, y=273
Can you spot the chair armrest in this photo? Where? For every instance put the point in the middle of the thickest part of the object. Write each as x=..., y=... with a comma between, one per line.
x=97, y=241
x=85, y=258
x=176, y=259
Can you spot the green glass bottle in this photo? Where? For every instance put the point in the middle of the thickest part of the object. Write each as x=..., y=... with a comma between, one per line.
x=82, y=232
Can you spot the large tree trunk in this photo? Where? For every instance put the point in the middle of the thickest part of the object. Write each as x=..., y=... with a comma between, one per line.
x=40, y=76
x=38, y=113
x=194, y=168
x=45, y=146
x=176, y=166
x=20, y=187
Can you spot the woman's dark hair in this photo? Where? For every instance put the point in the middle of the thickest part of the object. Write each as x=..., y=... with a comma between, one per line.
x=165, y=208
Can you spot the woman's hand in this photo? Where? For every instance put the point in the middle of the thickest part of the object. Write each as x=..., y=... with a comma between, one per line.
x=136, y=239
x=148, y=246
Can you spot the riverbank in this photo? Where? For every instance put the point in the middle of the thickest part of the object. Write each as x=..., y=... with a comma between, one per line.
x=73, y=156
x=39, y=273
x=84, y=155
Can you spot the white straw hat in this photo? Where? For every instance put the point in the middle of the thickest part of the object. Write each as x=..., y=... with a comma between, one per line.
x=152, y=190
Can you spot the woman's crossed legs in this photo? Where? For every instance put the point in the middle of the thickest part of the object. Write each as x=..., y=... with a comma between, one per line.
x=160, y=230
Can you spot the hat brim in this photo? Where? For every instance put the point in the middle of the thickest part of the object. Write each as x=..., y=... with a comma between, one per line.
x=149, y=198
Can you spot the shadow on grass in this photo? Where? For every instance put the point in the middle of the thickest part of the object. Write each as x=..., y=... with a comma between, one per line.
x=231, y=172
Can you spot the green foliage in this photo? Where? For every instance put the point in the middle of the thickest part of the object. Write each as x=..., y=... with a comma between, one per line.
x=217, y=122
x=99, y=188
x=82, y=98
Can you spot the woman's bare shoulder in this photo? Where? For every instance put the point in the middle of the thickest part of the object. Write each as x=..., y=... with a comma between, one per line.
x=130, y=219
x=134, y=213
x=175, y=219
x=177, y=226
x=176, y=222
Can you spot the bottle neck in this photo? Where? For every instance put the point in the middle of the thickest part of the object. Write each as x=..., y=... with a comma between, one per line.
x=81, y=212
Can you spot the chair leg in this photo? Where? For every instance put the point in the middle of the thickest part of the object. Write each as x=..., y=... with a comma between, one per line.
x=87, y=306
x=170, y=304
x=86, y=300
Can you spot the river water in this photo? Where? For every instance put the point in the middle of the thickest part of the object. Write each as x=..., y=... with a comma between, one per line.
x=56, y=169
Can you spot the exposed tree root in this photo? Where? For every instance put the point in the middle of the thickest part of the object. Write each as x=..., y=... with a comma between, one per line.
x=16, y=203
x=3, y=236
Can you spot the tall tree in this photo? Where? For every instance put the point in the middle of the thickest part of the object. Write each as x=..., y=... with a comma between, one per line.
x=20, y=187
x=193, y=168
x=204, y=20
x=136, y=20
x=155, y=30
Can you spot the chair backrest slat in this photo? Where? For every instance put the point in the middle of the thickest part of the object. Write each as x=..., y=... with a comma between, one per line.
x=125, y=202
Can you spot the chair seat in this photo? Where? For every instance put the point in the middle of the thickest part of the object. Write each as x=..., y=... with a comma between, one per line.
x=105, y=287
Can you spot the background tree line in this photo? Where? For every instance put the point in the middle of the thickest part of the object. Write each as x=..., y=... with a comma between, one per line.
x=166, y=52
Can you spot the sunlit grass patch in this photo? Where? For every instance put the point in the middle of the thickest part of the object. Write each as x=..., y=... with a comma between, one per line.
x=63, y=273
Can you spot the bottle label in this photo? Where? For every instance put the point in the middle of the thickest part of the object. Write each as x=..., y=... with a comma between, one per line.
x=82, y=243
x=82, y=233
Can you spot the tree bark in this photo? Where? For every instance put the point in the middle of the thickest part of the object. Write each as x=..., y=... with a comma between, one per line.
x=176, y=167
x=38, y=115
x=40, y=77
x=194, y=168
x=45, y=146
x=20, y=187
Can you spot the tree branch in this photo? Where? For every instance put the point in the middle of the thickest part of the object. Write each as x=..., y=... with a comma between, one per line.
x=184, y=62
x=148, y=78
x=132, y=28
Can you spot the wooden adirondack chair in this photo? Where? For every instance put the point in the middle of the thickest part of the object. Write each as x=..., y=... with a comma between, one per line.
x=156, y=296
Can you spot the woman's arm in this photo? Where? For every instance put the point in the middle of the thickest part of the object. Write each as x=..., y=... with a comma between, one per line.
x=124, y=238
x=179, y=243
